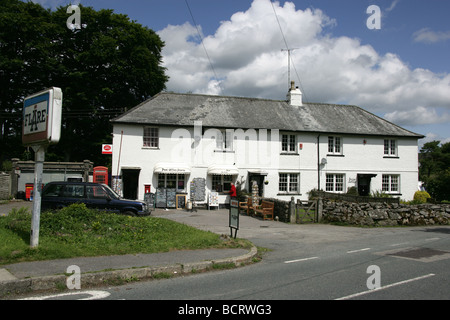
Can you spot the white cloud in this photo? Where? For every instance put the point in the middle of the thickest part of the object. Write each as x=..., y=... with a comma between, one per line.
x=246, y=54
x=426, y=35
x=429, y=137
x=418, y=116
x=393, y=5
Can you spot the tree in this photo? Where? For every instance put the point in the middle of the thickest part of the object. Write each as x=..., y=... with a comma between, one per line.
x=108, y=66
x=434, y=169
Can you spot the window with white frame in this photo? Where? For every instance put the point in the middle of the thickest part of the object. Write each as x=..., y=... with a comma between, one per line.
x=151, y=137
x=334, y=145
x=335, y=183
x=289, y=183
x=288, y=143
x=172, y=181
x=390, y=148
x=391, y=183
x=222, y=183
x=224, y=140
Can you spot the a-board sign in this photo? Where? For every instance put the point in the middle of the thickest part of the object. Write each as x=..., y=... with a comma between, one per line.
x=41, y=122
x=234, y=216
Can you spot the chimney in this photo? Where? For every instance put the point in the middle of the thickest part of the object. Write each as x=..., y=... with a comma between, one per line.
x=294, y=96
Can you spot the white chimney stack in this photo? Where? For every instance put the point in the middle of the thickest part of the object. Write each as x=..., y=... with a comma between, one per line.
x=294, y=96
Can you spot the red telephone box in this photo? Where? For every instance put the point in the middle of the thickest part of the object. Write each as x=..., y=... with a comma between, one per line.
x=101, y=175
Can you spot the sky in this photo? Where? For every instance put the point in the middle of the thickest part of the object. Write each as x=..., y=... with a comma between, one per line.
x=394, y=64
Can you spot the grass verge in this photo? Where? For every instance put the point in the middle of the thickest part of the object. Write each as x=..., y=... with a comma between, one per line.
x=77, y=231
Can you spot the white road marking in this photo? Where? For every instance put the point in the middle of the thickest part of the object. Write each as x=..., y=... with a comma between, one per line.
x=301, y=260
x=398, y=244
x=386, y=287
x=359, y=250
x=94, y=295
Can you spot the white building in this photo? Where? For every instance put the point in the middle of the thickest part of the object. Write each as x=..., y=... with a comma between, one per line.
x=287, y=147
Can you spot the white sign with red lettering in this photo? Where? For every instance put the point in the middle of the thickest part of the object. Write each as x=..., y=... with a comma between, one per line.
x=107, y=149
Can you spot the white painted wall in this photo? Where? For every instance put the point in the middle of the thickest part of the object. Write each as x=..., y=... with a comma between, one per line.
x=260, y=149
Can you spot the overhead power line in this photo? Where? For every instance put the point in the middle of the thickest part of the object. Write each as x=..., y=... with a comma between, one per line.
x=204, y=47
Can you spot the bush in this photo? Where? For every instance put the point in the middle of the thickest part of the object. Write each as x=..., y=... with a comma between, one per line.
x=421, y=196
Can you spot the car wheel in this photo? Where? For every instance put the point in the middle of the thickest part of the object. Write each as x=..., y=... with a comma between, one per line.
x=130, y=213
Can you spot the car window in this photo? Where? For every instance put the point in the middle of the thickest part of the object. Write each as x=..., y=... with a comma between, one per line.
x=73, y=191
x=53, y=190
x=95, y=192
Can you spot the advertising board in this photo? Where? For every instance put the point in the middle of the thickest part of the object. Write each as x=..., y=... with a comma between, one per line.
x=42, y=114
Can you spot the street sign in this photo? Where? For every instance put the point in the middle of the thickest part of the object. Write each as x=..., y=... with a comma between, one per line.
x=42, y=113
x=234, y=217
x=41, y=126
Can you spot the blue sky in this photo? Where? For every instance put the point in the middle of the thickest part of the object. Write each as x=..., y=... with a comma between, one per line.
x=400, y=72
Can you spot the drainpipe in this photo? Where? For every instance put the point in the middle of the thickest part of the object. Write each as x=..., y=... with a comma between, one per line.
x=318, y=163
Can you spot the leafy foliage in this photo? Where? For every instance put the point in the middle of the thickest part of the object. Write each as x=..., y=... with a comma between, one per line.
x=421, y=196
x=108, y=66
x=434, y=169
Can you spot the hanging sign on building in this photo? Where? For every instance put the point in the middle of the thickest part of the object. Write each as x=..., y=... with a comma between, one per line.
x=42, y=114
x=107, y=149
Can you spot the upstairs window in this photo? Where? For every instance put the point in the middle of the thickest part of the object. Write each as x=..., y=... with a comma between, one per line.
x=151, y=137
x=334, y=145
x=390, y=148
x=288, y=142
x=224, y=140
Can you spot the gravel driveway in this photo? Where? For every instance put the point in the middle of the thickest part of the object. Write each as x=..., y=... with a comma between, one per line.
x=6, y=207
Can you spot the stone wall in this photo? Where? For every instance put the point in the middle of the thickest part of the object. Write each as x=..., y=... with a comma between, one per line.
x=383, y=214
x=5, y=186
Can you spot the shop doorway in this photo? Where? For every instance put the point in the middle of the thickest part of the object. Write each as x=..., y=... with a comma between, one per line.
x=259, y=178
x=130, y=181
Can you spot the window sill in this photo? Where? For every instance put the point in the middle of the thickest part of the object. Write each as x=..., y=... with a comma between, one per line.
x=335, y=155
x=289, y=154
x=393, y=157
x=150, y=148
x=224, y=151
x=289, y=194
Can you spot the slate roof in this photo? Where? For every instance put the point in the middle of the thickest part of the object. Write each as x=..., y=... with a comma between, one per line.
x=175, y=109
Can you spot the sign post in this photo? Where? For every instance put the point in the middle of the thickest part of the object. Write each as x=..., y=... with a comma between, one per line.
x=41, y=127
x=234, y=217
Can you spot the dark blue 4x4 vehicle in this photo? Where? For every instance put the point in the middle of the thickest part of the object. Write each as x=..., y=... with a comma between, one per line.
x=57, y=195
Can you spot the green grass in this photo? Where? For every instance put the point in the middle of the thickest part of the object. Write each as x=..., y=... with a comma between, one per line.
x=77, y=231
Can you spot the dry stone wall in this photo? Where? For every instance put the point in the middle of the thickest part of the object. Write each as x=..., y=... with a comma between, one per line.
x=383, y=214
